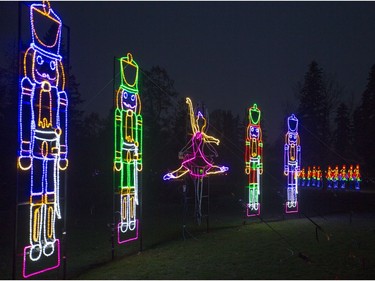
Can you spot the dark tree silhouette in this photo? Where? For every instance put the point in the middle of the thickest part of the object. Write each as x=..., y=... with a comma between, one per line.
x=342, y=137
x=313, y=115
x=364, y=126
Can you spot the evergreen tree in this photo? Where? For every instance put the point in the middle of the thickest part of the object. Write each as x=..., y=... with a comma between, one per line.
x=342, y=133
x=313, y=115
x=364, y=129
x=162, y=113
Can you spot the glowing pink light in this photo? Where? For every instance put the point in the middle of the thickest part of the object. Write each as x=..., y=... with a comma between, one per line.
x=126, y=240
x=196, y=163
x=289, y=210
x=254, y=213
x=25, y=255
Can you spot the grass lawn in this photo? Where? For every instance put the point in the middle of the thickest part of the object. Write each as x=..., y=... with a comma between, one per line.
x=284, y=249
x=276, y=247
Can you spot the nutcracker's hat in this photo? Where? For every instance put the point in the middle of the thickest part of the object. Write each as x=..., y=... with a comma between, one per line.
x=293, y=124
x=45, y=29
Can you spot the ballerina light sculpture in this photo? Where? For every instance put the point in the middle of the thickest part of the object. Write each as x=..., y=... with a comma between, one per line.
x=195, y=162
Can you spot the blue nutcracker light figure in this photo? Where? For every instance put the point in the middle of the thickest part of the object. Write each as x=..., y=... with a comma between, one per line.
x=128, y=148
x=292, y=162
x=254, y=160
x=43, y=131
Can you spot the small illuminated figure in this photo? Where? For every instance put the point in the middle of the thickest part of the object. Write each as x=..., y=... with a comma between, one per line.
x=313, y=176
x=309, y=173
x=350, y=177
x=336, y=177
x=195, y=162
x=343, y=176
x=329, y=177
x=319, y=177
x=302, y=177
x=254, y=160
x=292, y=162
x=128, y=147
x=357, y=177
x=43, y=131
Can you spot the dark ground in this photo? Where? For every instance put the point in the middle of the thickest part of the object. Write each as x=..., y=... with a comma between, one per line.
x=88, y=244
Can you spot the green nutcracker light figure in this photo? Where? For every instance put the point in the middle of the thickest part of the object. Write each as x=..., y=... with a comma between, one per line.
x=128, y=148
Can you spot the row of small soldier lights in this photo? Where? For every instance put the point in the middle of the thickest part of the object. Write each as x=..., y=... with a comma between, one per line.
x=334, y=178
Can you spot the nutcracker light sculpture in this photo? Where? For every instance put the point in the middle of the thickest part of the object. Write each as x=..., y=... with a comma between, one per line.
x=292, y=162
x=128, y=149
x=253, y=161
x=43, y=148
x=196, y=162
x=357, y=177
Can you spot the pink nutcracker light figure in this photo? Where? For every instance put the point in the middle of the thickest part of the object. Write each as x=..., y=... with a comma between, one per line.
x=43, y=132
x=128, y=148
x=254, y=160
x=195, y=161
x=292, y=162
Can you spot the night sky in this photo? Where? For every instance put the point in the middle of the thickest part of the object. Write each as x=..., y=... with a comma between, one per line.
x=228, y=55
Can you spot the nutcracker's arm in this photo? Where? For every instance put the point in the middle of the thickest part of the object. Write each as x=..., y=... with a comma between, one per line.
x=260, y=153
x=27, y=123
x=139, y=138
x=63, y=129
x=118, y=140
x=286, y=155
x=298, y=153
x=247, y=151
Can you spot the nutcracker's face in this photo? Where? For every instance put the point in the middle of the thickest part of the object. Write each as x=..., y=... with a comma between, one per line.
x=129, y=100
x=254, y=132
x=292, y=138
x=45, y=68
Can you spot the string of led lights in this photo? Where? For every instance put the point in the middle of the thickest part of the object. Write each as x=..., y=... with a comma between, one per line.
x=43, y=133
x=128, y=137
x=292, y=162
x=254, y=160
x=195, y=162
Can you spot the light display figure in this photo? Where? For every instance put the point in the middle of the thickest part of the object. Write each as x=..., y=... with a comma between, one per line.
x=343, y=176
x=357, y=177
x=253, y=160
x=329, y=177
x=319, y=177
x=43, y=132
x=308, y=178
x=128, y=148
x=292, y=162
x=195, y=161
x=350, y=177
x=335, y=178
x=313, y=176
x=302, y=177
